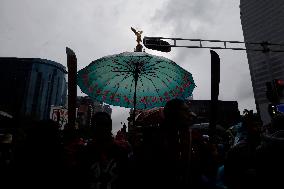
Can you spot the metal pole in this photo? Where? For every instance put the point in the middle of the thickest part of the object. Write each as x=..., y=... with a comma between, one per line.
x=72, y=86
x=135, y=90
x=189, y=162
x=152, y=41
x=138, y=48
x=215, y=80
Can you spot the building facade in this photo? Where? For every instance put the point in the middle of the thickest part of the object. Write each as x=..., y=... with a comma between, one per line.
x=30, y=86
x=262, y=21
x=87, y=107
x=228, y=113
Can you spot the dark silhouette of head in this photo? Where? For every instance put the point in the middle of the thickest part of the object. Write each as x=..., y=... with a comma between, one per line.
x=101, y=126
x=252, y=125
x=177, y=111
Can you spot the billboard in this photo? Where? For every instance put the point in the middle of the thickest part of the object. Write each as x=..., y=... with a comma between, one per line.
x=60, y=115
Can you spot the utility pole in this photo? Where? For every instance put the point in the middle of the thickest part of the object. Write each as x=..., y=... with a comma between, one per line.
x=72, y=86
x=215, y=80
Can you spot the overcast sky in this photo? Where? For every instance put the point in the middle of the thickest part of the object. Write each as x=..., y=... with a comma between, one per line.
x=93, y=29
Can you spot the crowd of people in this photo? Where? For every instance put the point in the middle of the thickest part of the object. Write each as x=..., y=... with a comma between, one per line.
x=36, y=154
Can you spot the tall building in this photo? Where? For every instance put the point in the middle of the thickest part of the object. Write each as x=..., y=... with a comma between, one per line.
x=262, y=20
x=30, y=86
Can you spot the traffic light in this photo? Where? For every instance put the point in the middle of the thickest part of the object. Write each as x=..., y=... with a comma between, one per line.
x=155, y=43
x=279, y=87
x=272, y=110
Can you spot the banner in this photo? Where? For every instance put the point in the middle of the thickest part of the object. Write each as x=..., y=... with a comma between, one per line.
x=60, y=115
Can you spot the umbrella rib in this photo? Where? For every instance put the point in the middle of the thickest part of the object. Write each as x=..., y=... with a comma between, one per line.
x=139, y=61
x=168, y=69
x=142, y=88
x=129, y=63
x=142, y=84
x=108, y=72
x=153, y=69
x=161, y=80
x=155, y=75
x=125, y=77
x=122, y=67
x=144, y=61
x=110, y=78
x=113, y=61
x=97, y=69
x=126, y=67
x=129, y=67
x=130, y=91
x=153, y=84
x=157, y=69
x=168, y=75
x=148, y=58
x=153, y=64
x=126, y=74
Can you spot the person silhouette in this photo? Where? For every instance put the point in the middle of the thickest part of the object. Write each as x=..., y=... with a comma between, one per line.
x=104, y=160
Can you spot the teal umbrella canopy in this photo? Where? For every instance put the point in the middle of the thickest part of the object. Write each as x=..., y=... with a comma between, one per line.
x=114, y=80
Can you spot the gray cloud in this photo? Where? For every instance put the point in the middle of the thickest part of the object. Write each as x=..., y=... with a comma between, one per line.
x=184, y=15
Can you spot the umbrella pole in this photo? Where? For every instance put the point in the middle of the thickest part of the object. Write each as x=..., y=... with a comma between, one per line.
x=135, y=86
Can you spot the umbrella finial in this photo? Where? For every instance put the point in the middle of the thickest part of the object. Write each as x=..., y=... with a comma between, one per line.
x=138, y=39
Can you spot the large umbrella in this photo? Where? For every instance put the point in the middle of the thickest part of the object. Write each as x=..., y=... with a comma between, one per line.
x=154, y=116
x=151, y=116
x=135, y=80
